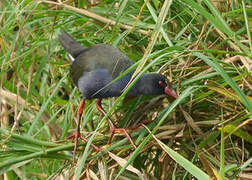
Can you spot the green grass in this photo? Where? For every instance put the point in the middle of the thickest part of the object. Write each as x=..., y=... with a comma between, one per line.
x=202, y=47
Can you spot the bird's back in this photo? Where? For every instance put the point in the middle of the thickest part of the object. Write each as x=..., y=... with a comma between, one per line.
x=100, y=56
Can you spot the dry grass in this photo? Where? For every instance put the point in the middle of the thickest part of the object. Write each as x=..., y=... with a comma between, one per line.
x=204, y=49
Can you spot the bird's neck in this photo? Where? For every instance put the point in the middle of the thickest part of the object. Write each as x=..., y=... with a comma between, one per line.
x=137, y=88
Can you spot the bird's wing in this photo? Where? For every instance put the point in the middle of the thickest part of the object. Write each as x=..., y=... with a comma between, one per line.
x=100, y=57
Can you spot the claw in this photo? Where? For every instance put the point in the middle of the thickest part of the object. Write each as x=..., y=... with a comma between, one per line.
x=114, y=129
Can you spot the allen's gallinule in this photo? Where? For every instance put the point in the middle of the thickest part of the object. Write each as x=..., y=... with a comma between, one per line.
x=94, y=68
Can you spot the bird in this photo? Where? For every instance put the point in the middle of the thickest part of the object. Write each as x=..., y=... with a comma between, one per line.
x=93, y=70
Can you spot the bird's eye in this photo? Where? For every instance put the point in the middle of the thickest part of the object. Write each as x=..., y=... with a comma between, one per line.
x=161, y=83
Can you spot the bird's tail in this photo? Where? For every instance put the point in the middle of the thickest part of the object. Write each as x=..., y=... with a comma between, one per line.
x=70, y=44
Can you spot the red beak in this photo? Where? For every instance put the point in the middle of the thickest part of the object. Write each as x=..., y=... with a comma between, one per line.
x=171, y=92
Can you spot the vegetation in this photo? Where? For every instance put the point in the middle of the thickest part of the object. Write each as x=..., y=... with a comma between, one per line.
x=204, y=48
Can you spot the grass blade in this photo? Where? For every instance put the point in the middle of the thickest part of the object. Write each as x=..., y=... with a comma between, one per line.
x=228, y=79
x=190, y=167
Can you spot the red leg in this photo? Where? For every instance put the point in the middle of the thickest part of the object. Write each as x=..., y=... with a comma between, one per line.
x=77, y=135
x=112, y=127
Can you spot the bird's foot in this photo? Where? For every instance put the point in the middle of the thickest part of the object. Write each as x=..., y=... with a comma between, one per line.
x=120, y=131
x=124, y=131
x=76, y=136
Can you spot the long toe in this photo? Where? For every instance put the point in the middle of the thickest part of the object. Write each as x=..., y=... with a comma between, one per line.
x=92, y=145
x=75, y=137
x=122, y=131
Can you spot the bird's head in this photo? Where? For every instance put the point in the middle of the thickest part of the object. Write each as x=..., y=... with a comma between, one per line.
x=156, y=84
